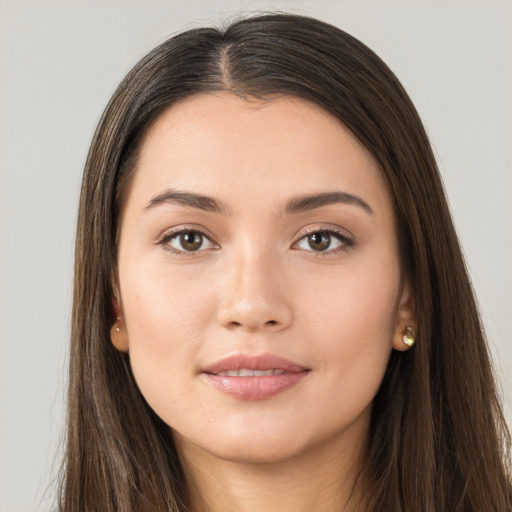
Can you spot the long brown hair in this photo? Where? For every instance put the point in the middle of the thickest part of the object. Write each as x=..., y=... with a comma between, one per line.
x=439, y=441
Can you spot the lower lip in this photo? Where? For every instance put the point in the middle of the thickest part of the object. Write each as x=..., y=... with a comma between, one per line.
x=255, y=388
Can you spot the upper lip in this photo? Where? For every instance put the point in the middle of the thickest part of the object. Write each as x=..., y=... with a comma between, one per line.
x=261, y=362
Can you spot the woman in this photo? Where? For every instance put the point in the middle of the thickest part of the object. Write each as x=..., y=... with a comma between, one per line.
x=271, y=308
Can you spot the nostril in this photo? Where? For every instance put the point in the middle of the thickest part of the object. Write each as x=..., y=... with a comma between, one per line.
x=237, y=325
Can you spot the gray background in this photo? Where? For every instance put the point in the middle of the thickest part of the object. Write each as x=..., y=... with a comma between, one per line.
x=59, y=64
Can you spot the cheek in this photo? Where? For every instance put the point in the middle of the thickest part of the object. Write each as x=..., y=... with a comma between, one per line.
x=351, y=321
x=168, y=303
x=357, y=301
x=166, y=316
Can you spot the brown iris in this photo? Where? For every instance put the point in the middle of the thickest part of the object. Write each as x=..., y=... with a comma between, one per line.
x=319, y=241
x=191, y=240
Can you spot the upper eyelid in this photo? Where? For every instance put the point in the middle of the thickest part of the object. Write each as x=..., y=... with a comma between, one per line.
x=175, y=231
x=330, y=229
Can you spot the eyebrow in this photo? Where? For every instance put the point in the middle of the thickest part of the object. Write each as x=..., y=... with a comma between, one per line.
x=294, y=206
x=172, y=196
x=310, y=202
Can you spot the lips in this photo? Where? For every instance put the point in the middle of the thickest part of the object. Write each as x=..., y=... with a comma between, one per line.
x=254, y=377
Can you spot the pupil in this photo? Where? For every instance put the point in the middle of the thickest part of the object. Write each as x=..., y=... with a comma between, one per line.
x=319, y=241
x=191, y=240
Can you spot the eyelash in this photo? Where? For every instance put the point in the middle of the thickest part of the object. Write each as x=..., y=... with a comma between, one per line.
x=346, y=242
x=166, y=237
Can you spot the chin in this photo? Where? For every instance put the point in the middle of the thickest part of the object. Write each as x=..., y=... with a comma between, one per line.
x=245, y=447
x=259, y=451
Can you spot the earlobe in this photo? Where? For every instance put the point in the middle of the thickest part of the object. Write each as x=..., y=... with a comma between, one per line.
x=406, y=323
x=118, y=334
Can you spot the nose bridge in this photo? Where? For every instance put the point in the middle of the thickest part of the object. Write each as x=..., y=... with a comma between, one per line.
x=253, y=296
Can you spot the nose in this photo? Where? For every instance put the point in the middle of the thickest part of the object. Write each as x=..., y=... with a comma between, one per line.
x=253, y=295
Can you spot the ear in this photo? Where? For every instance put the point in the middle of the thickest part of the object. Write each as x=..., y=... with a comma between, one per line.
x=118, y=333
x=406, y=323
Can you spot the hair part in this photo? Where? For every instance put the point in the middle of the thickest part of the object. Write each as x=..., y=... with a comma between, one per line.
x=424, y=455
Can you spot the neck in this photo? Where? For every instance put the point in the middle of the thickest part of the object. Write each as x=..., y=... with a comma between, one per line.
x=327, y=478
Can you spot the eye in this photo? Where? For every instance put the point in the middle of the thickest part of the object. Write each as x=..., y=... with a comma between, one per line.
x=187, y=240
x=324, y=241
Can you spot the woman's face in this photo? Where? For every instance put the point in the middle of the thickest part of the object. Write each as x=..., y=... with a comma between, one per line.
x=260, y=291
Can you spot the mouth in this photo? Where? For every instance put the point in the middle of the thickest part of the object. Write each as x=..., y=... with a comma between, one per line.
x=254, y=377
x=247, y=372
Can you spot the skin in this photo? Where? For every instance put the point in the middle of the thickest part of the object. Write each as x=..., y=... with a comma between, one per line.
x=256, y=286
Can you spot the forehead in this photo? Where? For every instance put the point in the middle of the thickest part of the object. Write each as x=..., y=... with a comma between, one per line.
x=223, y=145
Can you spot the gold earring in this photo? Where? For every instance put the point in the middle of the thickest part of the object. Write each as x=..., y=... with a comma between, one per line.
x=117, y=328
x=408, y=337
